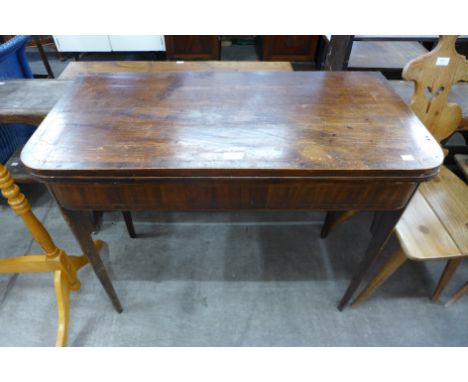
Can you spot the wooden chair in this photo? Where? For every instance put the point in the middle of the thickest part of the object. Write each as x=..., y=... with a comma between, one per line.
x=53, y=259
x=435, y=223
x=462, y=161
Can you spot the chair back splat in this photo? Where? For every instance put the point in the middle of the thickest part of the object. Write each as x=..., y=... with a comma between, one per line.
x=434, y=74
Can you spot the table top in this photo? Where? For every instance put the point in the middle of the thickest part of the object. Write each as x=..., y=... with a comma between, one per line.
x=75, y=69
x=349, y=124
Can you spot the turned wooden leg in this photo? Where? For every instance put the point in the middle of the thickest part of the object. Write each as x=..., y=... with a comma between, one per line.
x=77, y=223
x=458, y=294
x=129, y=223
x=447, y=274
x=54, y=259
x=384, y=227
x=393, y=263
x=62, y=292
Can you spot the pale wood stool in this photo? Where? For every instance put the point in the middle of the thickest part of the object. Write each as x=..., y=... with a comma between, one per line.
x=53, y=259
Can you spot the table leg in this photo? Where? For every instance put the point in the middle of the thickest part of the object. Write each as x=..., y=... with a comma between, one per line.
x=78, y=222
x=383, y=228
x=129, y=224
x=328, y=224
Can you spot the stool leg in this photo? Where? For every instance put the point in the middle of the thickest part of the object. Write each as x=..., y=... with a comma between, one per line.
x=447, y=274
x=129, y=223
x=458, y=294
x=62, y=292
x=393, y=263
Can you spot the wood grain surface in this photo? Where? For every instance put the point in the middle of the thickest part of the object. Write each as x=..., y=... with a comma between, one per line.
x=448, y=197
x=421, y=233
x=75, y=69
x=233, y=124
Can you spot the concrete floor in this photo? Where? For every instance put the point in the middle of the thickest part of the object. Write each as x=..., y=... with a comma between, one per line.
x=224, y=279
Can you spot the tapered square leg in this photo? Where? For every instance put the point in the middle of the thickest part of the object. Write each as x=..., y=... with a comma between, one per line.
x=382, y=230
x=78, y=223
x=129, y=224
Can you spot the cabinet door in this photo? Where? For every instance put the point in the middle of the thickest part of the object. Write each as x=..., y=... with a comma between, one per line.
x=123, y=43
x=289, y=48
x=192, y=47
x=78, y=43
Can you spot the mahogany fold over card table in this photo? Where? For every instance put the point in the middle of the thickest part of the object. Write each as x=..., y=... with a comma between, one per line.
x=213, y=141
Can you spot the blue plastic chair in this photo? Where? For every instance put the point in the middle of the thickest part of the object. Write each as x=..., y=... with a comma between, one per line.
x=13, y=65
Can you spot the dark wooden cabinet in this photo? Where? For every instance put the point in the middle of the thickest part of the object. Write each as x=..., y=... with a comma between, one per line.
x=289, y=48
x=192, y=47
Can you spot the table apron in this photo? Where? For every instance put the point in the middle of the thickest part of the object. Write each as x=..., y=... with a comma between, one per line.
x=235, y=194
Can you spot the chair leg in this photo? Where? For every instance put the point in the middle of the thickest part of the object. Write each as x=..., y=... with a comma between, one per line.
x=129, y=223
x=458, y=294
x=447, y=274
x=62, y=292
x=393, y=263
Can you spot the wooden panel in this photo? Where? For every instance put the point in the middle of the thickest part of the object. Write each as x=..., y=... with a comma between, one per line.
x=434, y=74
x=448, y=196
x=422, y=235
x=29, y=101
x=225, y=194
x=384, y=54
x=289, y=48
x=320, y=124
x=75, y=69
x=192, y=47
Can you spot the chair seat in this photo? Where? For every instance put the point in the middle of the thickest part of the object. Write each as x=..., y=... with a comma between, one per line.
x=435, y=223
